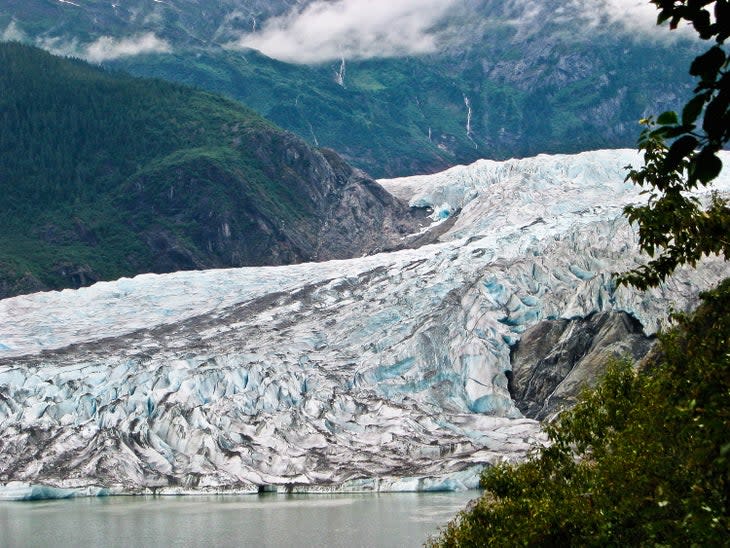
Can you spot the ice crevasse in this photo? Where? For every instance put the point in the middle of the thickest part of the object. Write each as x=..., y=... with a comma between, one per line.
x=384, y=372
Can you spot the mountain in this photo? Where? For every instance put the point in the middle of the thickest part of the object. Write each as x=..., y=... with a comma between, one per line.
x=505, y=79
x=385, y=372
x=105, y=175
x=181, y=21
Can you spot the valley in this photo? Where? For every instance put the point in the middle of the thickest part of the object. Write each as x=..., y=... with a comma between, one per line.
x=316, y=251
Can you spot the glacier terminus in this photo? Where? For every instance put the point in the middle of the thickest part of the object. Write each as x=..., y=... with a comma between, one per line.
x=385, y=372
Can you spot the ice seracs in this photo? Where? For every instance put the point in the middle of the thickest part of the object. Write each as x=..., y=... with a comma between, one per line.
x=383, y=372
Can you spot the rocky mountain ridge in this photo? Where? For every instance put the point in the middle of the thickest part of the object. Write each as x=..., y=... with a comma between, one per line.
x=555, y=359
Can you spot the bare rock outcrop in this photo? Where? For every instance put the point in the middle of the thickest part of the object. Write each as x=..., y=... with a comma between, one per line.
x=556, y=359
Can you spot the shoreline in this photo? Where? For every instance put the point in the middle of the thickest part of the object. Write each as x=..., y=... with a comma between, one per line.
x=466, y=480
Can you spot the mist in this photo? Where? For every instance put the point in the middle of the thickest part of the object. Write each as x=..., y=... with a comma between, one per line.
x=12, y=33
x=106, y=48
x=353, y=29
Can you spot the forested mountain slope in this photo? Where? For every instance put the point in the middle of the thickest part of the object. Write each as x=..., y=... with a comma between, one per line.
x=503, y=79
x=105, y=175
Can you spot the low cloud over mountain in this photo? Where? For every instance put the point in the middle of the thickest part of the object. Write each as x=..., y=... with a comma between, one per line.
x=358, y=29
x=106, y=48
x=362, y=29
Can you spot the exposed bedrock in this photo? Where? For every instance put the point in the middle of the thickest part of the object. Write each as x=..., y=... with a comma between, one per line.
x=556, y=359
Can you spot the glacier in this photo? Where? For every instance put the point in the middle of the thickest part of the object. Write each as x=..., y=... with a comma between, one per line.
x=385, y=372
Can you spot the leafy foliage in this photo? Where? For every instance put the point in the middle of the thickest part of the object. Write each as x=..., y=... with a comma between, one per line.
x=643, y=459
x=674, y=226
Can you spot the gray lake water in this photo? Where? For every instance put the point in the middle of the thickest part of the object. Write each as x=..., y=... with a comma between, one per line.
x=390, y=519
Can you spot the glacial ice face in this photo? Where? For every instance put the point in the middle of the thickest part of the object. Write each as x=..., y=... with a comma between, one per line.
x=383, y=372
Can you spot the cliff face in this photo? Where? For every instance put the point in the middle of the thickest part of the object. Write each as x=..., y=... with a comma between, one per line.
x=555, y=359
x=319, y=209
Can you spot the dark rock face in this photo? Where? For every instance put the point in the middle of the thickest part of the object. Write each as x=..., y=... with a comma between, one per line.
x=11, y=285
x=313, y=207
x=555, y=359
x=76, y=275
x=344, y=213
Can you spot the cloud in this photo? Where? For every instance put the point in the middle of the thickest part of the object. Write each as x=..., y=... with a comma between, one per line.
x=106, y=48
x=326, y=30
x=637, y=18
x=635, y=15
x=12, y=33
x=355, y=29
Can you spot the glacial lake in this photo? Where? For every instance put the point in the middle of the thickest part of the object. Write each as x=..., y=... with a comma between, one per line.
x=399, y=520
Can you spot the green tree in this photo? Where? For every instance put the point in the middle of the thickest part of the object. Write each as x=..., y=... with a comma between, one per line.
x=680, y=153
x=643, y=459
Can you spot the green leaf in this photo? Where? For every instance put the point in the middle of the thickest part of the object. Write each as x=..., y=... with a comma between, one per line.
x=725, y=449
x=714, y=122
x=658, y=133
x=680, y=148
x=692, y=109
x=706, y=166
x=702, y=24
x=667, y=118
x=707, y=65
x=676, y=131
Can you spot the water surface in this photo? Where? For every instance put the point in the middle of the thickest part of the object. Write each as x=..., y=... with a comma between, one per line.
x=390, y=519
